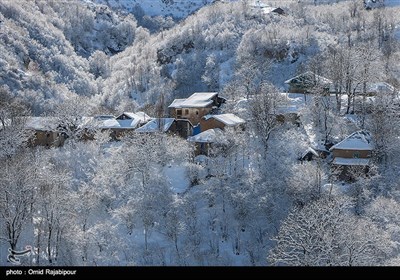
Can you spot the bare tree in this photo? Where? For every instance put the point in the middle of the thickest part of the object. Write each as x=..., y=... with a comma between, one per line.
x=326, y=233
x=13, y=117
x=17, y=181
x=263, y=110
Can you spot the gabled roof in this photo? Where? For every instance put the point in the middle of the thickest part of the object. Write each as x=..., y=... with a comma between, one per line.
x=129, y=115
x=308, y=78
x=140, y=117
x=177, y=103
x=208, y=136
x=196, y=100
x=359, y=140
x=144, y=118
x=310, y=150
x=157, y=125
x=120, y=124
x=227, y=119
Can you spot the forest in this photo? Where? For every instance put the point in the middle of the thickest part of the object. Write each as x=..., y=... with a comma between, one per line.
x=147, y=199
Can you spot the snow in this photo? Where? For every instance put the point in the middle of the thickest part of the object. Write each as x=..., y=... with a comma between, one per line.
x=177, y=178
x=177, y=103
x=359, y=140
x=310, y=150
x=176, y=8
x=208, y=136
x=41, y=123
x=335, y=189
x=227, y=119
x=157, y=125
x=380, y=87
x=122, y=124
x=351, y=161
x=128, y=114
x=397, y=32
x=196, y=100
x=226, y=72
x=308, y=77
x=143, y=116
x=293, y=103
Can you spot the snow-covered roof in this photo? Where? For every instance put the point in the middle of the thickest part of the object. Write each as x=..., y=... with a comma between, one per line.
x=177, y=103
x=208, y=136
x=351, y=161
x=227, y=119
x=157, y=125
x=144, y=118
x=309, y=150
x=87, y=122
x=359, y=140
x=196, y=100
x=130, y=115
x=380, y=87
x=120, y=124
x=104, y=117
x=308, y=77
x=42, y=123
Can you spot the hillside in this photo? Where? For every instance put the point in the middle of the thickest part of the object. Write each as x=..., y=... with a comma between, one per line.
x=177, y=9
x=199, y=133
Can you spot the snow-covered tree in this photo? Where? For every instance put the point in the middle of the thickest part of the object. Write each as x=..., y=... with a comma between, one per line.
x=326, y=233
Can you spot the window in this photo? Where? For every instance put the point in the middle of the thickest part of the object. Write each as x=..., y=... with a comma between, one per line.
x=186, y=111
x=197, y=112
x=178, y=113
x=356, y=155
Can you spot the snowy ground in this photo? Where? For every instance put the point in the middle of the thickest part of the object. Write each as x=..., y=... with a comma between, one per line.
x=177, y=178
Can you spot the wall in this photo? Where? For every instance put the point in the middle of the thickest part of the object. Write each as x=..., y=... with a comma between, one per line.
x=350, y=153
x=46, y=139
x=182, y=128
x=210, y=123
x=194, y=115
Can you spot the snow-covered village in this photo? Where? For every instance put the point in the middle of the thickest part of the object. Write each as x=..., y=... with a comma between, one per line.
x=199, y=133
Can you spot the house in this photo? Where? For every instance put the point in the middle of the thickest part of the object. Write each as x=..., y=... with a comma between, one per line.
x=309, y=154
x=373, y=89
x=46, y=132
x=90, y=125
x=181, y=127
x=141, y=117
x=195, y=106
x=206, y=139
x=278, y=11
x=305, y=82
x=220, y=121
x=354, y=150
x=121, y=125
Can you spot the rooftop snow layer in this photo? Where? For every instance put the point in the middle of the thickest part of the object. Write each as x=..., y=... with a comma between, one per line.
x=380, y=87
x=308, y=151
x=157, y=125
x=196, y=100
x=42, y=123
x=359, y=140
x=120, y=124
x=227, y=119
x=208, y=136
x=177, y=103
x=308, y=77
x=143, y=116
